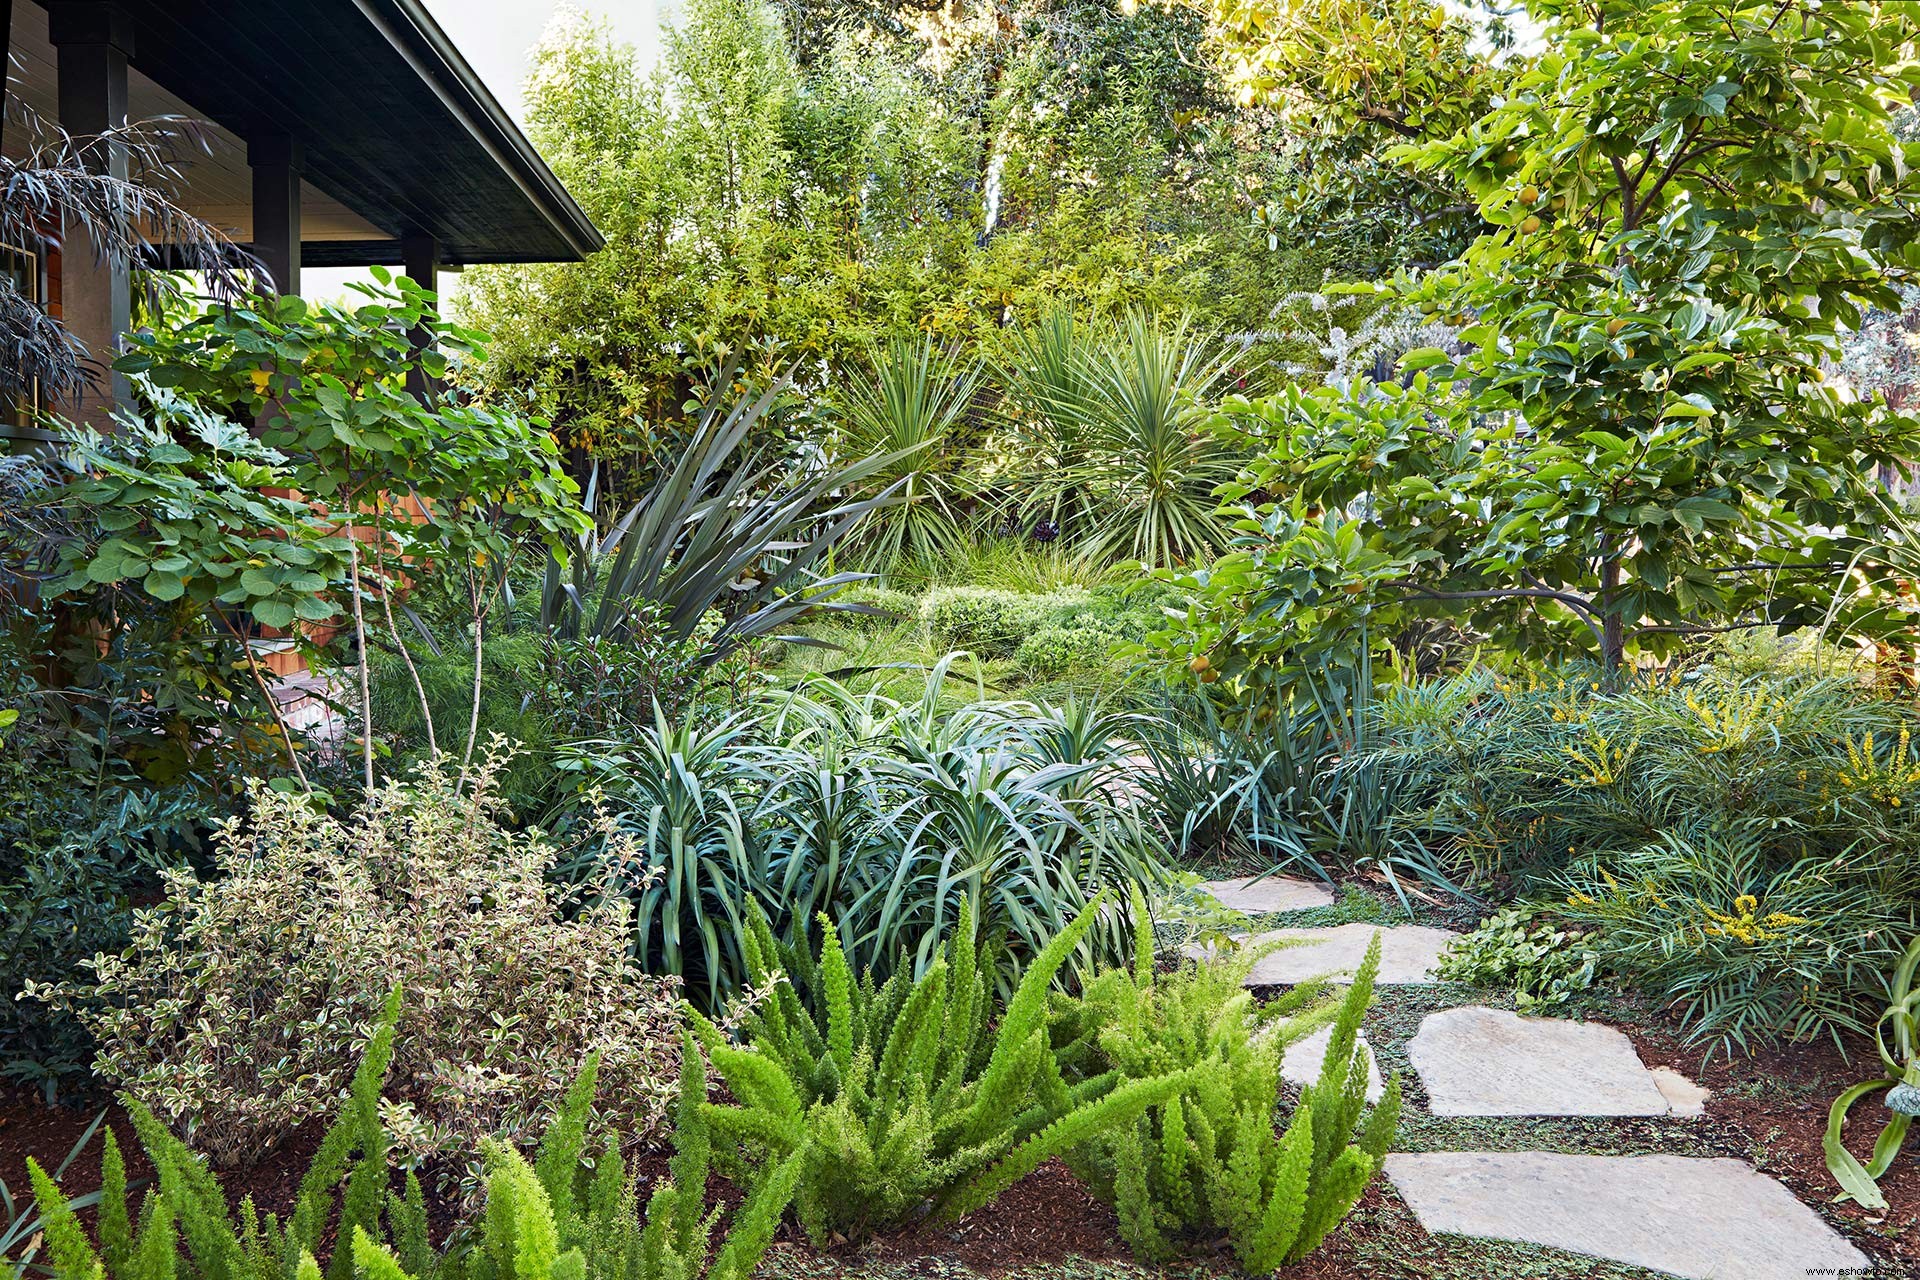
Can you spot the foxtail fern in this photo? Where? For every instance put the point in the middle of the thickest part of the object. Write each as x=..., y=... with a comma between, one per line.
x=906, y=1097
x=1208, y=1163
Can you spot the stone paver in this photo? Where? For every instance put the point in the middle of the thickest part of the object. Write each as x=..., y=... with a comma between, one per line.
x=1408, y=954
x=1302, y=1062
x=1273, y=893
x=1489, y=1062
x=1696, y=1218
x=1685, y=1099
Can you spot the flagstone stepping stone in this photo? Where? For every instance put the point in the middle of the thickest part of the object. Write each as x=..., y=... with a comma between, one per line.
x=1685, y=1099
x=1703, y=1219
x=1476, y=1061
x=1272, y=893
x=1408, y=953
x=1303, y=1060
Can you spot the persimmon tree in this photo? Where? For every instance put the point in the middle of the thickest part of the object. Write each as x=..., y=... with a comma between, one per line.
x=1691, y=203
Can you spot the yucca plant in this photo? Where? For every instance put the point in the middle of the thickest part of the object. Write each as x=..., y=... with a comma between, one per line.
x=723, y=530
x=908, y=1097
x=904, y=415
x=1206, y=1163
x=1147, y=464
x=1045, y=372
x=1897, y=1037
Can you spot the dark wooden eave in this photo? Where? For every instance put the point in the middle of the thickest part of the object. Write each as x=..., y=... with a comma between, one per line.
x=393, y=122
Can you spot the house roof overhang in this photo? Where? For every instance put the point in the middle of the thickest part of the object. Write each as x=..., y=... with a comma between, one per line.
x=392, y=121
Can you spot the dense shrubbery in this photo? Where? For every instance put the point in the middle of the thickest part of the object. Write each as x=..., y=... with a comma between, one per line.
x=882, y=814
x=1733, y=841
x=236, y=1012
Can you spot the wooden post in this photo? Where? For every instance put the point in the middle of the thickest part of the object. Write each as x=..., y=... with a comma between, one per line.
x=94, y=40
x=275, y=160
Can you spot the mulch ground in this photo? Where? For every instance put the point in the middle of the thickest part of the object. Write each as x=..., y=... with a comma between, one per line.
x=1775, y=1103
x=1770, y=1109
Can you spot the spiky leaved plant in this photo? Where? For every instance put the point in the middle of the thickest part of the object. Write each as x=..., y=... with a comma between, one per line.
x=906, y=1097
x=1902, y=1082
x=185, y=1226
x=1207, y=1162
x=557, y=1219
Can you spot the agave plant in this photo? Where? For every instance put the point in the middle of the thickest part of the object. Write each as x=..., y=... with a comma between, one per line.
x=1009, y=805
x=1902, y=1082
x=907, y=409
x=722, y=531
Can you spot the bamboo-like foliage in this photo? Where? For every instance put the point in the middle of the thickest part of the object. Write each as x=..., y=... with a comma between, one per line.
x=723, y=530
x=906, y=1097
x=1206, y=1163
x=908, y=408
x=59, y=182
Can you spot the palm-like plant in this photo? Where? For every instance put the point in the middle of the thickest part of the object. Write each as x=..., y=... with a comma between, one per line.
x=1149, y=463
x=1115, y=424
x=1045, y=373
x=908, y=409
x=723, y=530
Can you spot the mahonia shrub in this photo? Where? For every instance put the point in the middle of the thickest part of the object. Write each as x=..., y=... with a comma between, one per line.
x=1734, y=837
x=241, y=1006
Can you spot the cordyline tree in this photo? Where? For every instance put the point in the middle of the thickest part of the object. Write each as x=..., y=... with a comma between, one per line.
x=1691, y=202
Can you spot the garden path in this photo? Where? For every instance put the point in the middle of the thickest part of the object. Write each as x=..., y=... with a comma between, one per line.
x=1700, y=1218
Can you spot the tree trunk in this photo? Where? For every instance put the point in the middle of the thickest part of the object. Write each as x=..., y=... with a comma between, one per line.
x=1613, y=641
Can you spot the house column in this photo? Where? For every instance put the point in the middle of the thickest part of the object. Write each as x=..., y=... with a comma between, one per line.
x=420, y=263
x=93, y=40
x=6, y=53
x=276, y=163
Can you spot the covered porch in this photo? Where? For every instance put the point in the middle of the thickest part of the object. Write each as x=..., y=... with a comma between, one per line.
x=343, y=133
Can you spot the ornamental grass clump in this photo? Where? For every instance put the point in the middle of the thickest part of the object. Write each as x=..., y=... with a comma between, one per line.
x=241, y=1006
x=907, y=1098
x=1206, y=1164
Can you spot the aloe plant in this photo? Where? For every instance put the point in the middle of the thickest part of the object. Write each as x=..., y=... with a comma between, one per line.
x=1901, y=1022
